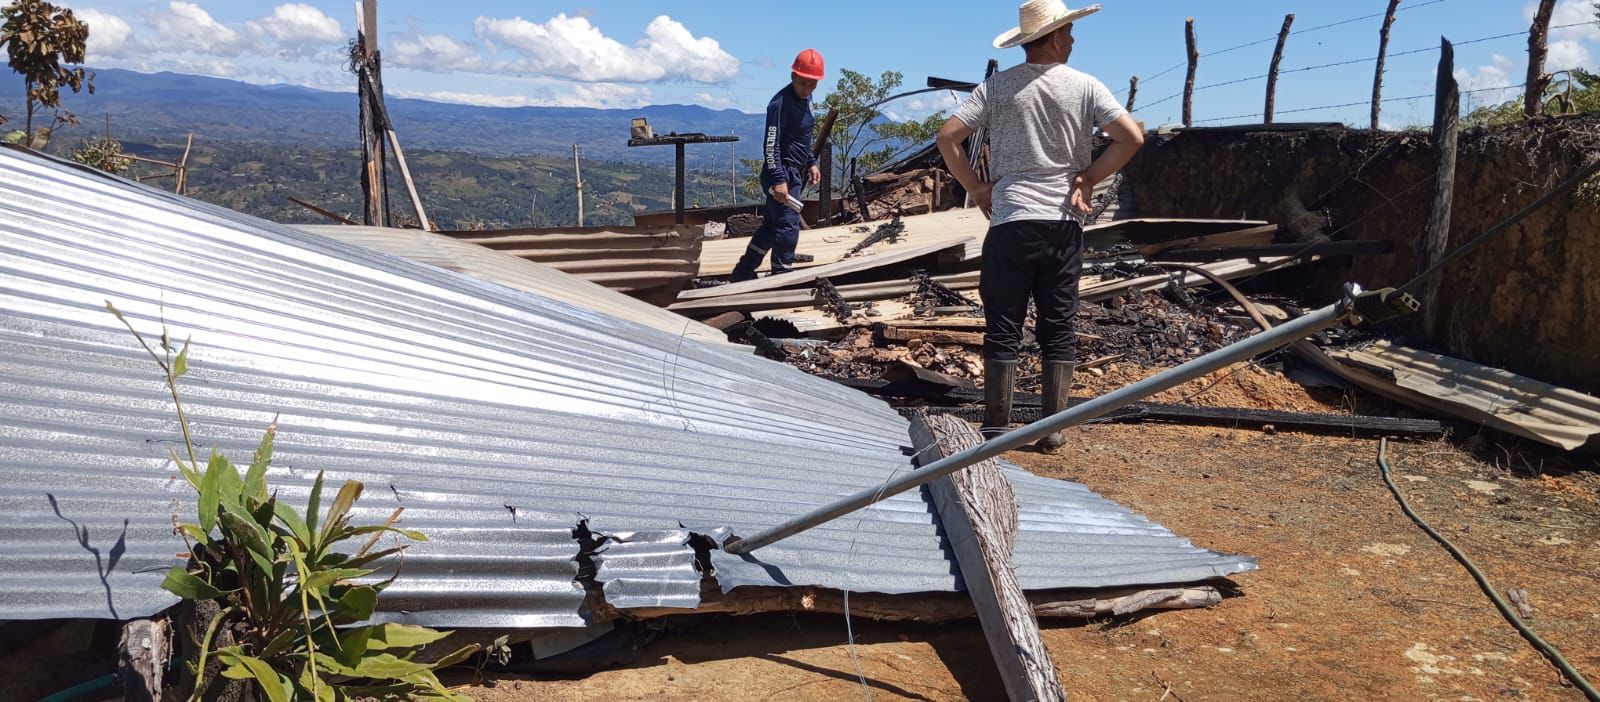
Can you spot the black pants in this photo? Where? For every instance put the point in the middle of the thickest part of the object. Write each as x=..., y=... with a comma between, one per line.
x=1041, y=259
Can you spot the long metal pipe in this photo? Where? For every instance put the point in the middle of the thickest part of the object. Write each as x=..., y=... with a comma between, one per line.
x=1221, y=358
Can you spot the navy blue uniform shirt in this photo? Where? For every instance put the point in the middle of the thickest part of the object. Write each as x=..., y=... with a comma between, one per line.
x=786, y=149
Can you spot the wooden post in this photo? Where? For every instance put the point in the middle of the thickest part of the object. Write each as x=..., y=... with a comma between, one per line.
x=1272, y=73
x=733, y=173
x=861, y=193
x=182, y=171
x=825, y=203
x=369, y=93
x=1538, y=34
x=1133, y=91
x=142, y=656
x=1383, y=53
x=1446, y=125
x=1194, y=63
x=677, y=189
x=411, y=186
x=979, y=139
x=577, y=175
x=978, y=514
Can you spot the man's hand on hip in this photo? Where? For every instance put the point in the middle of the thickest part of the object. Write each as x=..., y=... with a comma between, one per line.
x=983, y=196
x=1082, y=194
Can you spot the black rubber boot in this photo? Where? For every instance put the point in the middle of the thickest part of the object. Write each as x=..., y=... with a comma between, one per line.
x=1057, y=387
x=998, y=379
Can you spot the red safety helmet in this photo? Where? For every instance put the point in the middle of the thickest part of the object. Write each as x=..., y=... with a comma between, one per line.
x=808, y=65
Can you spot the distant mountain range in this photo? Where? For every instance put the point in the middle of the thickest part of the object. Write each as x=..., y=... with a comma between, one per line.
x=165, y=106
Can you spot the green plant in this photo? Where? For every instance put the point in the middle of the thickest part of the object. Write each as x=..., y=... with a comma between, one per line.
x=861, y=130
x=283, y=584
x=103, y=153
x=39, y=37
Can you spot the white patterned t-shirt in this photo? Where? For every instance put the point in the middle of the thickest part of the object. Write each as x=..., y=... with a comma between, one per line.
x=1041, y=120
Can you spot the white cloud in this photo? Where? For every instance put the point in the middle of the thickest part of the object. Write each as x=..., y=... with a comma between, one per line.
x=433, y=52
x=109, y=35
x=571, y=47
x=714, y=102
x=187, y=27
x=1578, y=12
x=598, y=95
x=1497, y=75
x=1567, y=54
x=295, y=24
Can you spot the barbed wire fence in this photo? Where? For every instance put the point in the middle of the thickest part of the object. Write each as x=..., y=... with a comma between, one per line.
x=1537, y=31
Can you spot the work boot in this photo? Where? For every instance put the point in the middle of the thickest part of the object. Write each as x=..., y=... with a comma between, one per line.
x=1057, y=384
x=998, y=378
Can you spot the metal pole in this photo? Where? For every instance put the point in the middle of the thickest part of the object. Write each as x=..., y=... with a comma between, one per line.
x=1221, y=358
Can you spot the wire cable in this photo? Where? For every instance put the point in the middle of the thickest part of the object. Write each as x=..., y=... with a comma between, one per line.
x=1572, y=181
x=1550, y=652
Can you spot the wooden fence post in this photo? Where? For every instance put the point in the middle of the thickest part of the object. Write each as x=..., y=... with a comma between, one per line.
x=1272, y=74
x=1446, y=125
x=1133, y=91
x=369, y=92
x=1194, y=63
x=1383, y=53
x=1538, y=34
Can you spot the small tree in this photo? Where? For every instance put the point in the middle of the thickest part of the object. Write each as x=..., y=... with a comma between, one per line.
x=39, y=37
x=861, y=131
x=104, y=153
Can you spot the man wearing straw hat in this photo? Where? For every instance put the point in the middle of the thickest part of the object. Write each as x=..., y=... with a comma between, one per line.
x=1041, y=118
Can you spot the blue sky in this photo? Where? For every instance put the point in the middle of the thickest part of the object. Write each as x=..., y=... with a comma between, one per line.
x=736, y=54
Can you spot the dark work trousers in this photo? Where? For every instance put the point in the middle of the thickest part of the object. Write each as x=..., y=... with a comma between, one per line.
x=779, y=233
x=1041, y=259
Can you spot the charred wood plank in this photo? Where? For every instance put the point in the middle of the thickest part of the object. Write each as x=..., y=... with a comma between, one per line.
x=1325, y=248
x=978, y=514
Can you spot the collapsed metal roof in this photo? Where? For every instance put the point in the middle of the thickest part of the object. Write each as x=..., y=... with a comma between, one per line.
x=500, y=420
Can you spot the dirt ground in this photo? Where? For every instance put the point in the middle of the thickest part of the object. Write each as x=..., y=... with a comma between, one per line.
x=1352, y=601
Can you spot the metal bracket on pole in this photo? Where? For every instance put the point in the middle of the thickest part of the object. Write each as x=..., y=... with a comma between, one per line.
x=1355, y=305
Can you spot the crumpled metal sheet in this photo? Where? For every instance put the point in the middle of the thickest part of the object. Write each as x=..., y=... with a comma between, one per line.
x=498, y=418
x=648, y=569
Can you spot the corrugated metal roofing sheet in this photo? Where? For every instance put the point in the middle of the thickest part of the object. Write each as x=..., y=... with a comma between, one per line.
x=498, y=418
x=516, y=272
x=651, y=263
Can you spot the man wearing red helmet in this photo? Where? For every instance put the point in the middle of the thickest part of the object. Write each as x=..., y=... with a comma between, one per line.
x=787, y=164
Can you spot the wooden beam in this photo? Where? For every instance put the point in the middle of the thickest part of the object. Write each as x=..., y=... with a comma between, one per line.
x=1272, y=73
x=1253, y=236
x=326, y=213
x=824, y=132
x=369, y=94
x=1383, y=53
x=978, y=514
x=1133, y=92
x=1322, y=248
x=932, y=336
x=411, y=186
x=1026, y=405
x=1446, y=126
x=1538, y=49
x=369, y=27
x=1194, y=64
x=929, y=607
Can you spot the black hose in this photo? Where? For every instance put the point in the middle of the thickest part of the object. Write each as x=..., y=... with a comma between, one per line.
x=1545, y=648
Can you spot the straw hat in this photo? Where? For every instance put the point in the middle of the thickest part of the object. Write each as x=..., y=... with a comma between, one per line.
x=1038, y=18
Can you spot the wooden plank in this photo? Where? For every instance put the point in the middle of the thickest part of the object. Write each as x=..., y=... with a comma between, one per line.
x=808, y=275
x=957, y=323
x=1446, y=127
x=411, y=186
x=1026, y=405
x=933, y=336
x=978, y=515
x=326, y=213
x=142, y=656
x=902, y=372
x=919, y=607
x=1322, y=248
x=1253, y=236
